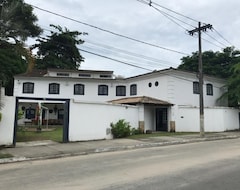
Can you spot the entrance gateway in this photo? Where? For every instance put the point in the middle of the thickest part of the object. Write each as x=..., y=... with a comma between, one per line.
x=161, y=119
x=64, y=114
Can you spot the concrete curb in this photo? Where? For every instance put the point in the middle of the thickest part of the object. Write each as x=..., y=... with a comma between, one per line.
x=117, y=148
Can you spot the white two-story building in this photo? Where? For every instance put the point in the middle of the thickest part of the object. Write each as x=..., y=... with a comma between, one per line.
x=85, y=102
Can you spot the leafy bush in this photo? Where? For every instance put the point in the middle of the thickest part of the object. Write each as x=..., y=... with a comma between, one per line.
x=20, y=114
x=136, y=131
x=120, y=129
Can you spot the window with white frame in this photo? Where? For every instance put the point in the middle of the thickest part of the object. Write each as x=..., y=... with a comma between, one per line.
x=102, y=90
x=79, y=89
x=28, y=88
x=54, y=88
x=209, y=89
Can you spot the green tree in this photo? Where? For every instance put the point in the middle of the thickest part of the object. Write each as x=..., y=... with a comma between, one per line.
x=217, y=64
x=220, y=64
x=59, y=50
x=17, y=23
x=233, y=93
x=11, y=63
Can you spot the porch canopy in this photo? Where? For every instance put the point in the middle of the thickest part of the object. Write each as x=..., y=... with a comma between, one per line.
x=141, y=100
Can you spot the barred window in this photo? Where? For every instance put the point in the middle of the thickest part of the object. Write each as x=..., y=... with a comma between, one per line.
x=28, y=88
x=79, y=89
x=133, y=90
x=53, y=88
x=196, y=88
x=102, y=90
x=210, y=89
x=120, y=90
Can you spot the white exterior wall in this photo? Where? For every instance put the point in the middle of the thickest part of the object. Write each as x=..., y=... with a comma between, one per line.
x=41, y=86
x=177, y=88
x=215, y=119
x=143, y=88
x=7, y=123
x=149, y=118
x=90, y=121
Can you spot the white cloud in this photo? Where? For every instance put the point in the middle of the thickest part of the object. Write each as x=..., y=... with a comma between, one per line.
x=136, y=20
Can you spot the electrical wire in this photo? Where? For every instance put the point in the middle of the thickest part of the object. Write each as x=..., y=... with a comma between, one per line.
x=140, y=56
x=170, y=17
x=112, y=59
x=110, y=32
x=150, y=60
x=106, y=57
x=127, y=58
x=222, y=36
x=215, y=39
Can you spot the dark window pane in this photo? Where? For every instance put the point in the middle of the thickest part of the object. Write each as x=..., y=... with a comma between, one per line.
x=103, y=90
x=79, y=89
x=195, y=87
x=133, y=89
x=28, y=88
x=121, y=91
x=53, y=88
x=210, y=89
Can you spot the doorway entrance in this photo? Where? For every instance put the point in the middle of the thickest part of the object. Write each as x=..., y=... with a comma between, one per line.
x=40, y=119
x=161, y=119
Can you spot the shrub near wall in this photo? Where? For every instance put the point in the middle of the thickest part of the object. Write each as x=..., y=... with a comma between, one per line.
x=120, y=129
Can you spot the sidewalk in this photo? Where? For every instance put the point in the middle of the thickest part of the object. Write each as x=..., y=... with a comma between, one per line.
x=38, y=150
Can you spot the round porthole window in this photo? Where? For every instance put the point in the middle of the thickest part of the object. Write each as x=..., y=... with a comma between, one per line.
x=156, y=83
x=150, y=84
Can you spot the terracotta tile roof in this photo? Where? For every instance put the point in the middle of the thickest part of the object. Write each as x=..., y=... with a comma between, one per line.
x=141, y=100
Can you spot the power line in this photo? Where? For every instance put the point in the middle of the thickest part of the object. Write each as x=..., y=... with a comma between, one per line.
x=108, y=31
x=106, y=57
x=222, y=36
x=216, y=40
x=175, y=12
x=170, y=17
x=151, y=3
x=103, y=56
x=130, y=53
x=150, y=60
x=127, y=58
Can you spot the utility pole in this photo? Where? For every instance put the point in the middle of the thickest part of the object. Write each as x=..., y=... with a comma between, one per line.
x=200, y=71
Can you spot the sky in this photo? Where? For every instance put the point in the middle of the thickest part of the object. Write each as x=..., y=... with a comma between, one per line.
x=134, y=33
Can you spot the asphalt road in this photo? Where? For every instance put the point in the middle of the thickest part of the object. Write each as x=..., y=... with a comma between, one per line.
x=207, y=165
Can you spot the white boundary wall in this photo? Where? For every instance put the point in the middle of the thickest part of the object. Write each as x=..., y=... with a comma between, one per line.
x=91, y=121
x=8, y=116
x=215, y=119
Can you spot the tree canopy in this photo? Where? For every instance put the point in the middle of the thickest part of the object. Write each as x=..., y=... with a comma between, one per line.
x=59, y=50
x=217, y=64
x=234, y=86
x=223, y=64
x=17, y=23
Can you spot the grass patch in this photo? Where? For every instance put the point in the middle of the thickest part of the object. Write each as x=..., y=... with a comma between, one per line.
x=160, y=134
x=2, y=156
x=54, y=135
